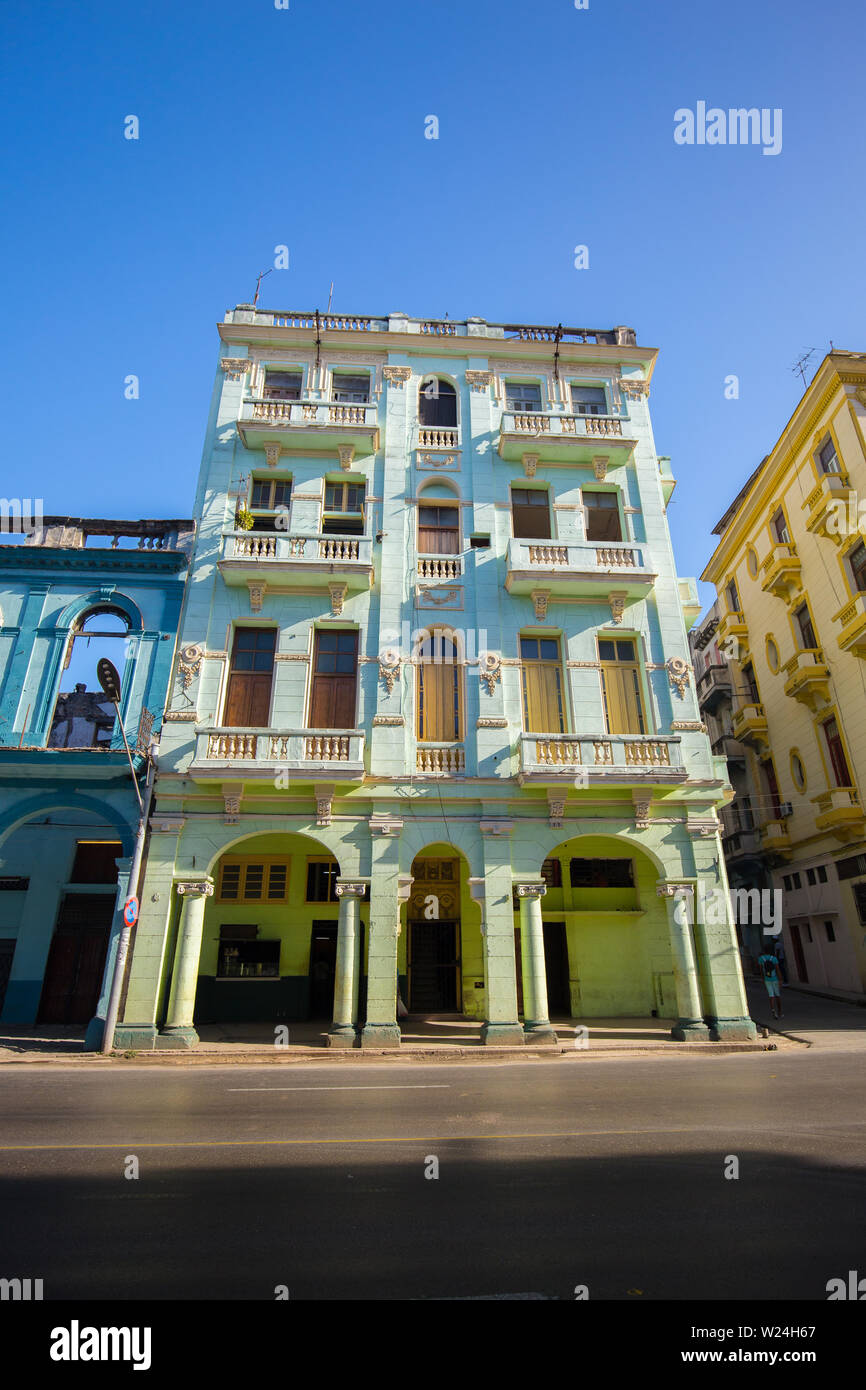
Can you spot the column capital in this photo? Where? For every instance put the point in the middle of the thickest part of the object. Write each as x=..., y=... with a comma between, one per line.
x=669, y=888
x=496, y=827
x=350, y=888
x=195, y=888
x=532, y=890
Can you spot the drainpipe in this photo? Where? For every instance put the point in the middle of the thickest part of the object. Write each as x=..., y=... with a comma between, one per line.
x=132, y=891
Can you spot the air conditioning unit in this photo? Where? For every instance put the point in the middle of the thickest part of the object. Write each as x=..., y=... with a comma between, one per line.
x=786, y=810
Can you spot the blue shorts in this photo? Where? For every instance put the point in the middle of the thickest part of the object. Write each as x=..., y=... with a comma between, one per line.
x=773, y=989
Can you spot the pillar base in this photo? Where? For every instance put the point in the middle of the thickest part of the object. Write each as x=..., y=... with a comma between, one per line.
x=690, y=1030
x=130, y=1037
x=540, y=1033
x=343, y=1035
x=503, y=1034
x=733, y=1030
x=381, y=1035
x=178, y=1037
x=94, y=1034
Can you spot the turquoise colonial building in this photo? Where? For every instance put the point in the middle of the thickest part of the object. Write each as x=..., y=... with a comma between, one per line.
x=433, y=725
x=71, y=591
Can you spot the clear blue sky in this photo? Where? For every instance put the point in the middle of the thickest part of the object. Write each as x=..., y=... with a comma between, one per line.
x=306, y=127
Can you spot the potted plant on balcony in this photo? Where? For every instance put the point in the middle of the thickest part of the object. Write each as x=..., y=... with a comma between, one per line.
x=243, y=518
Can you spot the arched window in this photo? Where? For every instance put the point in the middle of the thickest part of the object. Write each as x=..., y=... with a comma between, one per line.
x=83, y=716
x=437, y=402
x=439, y=714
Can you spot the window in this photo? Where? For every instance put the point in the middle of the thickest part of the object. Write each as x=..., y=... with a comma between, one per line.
x=241, y=959
x=344, y=509
x=860, y=901
x=786, y=882
x=808, y=932
x=601, y=873
x=522, y=396
x=838, y=761
x=772, y=787
x=282, y=386
x=335, y=667
x=551, y=872
x=851, y=868
x=752, y=562
x=828, y=927
x=541, y=677
x=621, y=686
x=857, y=561
x=588, y=400
x=810, y=877
x=354, y=390
x=772, y=654
x=796, y=882
x=94, y=861
x=530, y=513
x=827, y=459
x=438, y=530
x=322, y=880
x=602, y=515
x=780, y=527
x=267, y=494
x=248, y=696
x=750, y=685
x=732, y=596
x=83, y=716
x=438, y=690
x=437, y=404
x=747, y=820
x=804, y=623
x=253, y=881
x=822, y=873
x=798, y=772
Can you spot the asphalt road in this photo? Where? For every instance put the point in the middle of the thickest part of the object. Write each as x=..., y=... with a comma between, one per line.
x=608, y=1173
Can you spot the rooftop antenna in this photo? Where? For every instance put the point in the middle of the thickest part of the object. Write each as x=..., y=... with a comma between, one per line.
x=262, y=275
x=330, y=297
x=801, y=364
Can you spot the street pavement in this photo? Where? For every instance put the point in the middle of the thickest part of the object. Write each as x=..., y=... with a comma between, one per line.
x=604, y=1171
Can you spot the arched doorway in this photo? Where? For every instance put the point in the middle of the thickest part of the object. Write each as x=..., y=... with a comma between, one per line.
x=269, y=944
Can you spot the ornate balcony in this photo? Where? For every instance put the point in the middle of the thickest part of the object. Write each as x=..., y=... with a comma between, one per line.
x=553, y=759
x=780, y=572
x=840, y=813
x=253, y=754
x=828, y=503
x=440, y=759
x=741, y=846
x=439, y=569
x=733, y=625
x=583, y=569
x=300, y=425
x=808, y=678
x=729, y=748
x=575, y=439
x=775, y=839
x=715, y=686
x=749, y=725
x=295, y=561
x=852, y=618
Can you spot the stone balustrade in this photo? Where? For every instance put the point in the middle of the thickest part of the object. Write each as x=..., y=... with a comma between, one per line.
x=440, y=759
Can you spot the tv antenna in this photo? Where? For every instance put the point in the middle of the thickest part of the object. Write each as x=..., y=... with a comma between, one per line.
x=802, y=363
x=262, y=275
x=330, y=297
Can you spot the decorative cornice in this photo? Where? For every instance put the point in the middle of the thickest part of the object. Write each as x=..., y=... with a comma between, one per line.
x=388, y=720
x=496, y=827
x=688, y=726
x=395, y=376
x=235, y=368
x=491, y=723
x=180, y=716
x=479, y=381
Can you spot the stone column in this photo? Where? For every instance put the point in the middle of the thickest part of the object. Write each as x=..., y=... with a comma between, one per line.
x=343, y=1032
x=96, y=1026
x=179, y=1030
x=536, y=1024
x=716, y=931
x=493, y=891
x=690, y=1026
x=381, y=1028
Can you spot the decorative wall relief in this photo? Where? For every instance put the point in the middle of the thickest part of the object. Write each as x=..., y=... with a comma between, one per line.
x=490, y=669
x=389, y=666
x=678, y=671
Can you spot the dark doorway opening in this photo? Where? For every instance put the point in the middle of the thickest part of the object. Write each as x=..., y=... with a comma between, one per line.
x=799, y=954
x=433, y=966
x=555, y=969
x=323, y=969
x=73, y=974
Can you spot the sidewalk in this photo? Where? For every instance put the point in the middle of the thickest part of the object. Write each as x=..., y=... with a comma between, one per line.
x=822, y=1020
x=439, y=1037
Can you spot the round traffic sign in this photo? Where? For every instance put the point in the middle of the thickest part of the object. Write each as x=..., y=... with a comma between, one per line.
x=130, y=911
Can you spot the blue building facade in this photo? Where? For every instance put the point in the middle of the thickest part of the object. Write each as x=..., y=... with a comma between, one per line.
x=73, y=591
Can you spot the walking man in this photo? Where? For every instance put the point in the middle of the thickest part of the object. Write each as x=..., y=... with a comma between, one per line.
x=770, y=971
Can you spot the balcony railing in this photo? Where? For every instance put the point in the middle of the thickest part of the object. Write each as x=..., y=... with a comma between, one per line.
x=839, y=812
x=440, y=759
x=340, y=752
x=578, y=568
x=440, y=567
x=852, y=620
x=328, y=424
x=438, y=437
x=640, y=755
x=311, y=322
x=574, y=438
x=294, y=560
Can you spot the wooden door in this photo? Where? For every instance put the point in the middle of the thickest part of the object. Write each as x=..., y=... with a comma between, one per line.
x=433, y=966
x=73, y=974
x=799, y=954
x=248, y=698
x=323, y=969
x=335, y=666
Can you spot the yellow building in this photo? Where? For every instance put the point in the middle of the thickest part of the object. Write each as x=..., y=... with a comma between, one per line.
x=790, y=572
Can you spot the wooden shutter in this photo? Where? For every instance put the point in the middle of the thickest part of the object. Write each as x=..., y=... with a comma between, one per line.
x=542, y=698
x=335, y=667
x=620, y=684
